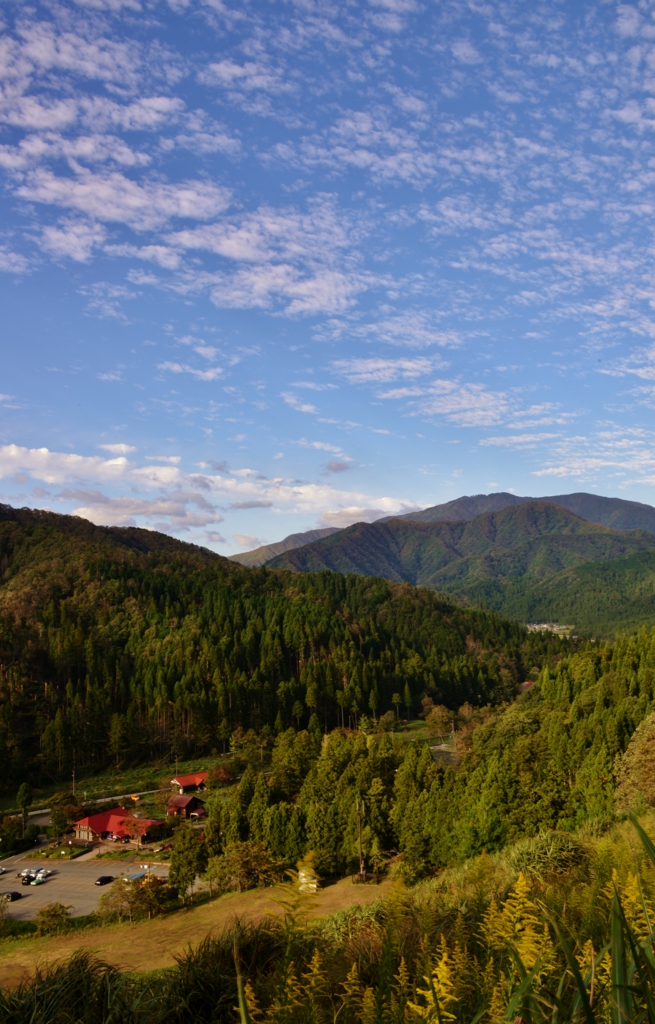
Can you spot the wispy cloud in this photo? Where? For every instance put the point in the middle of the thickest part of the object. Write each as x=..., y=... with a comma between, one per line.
x=211, y=374
x=380, y=371
x=467, y=405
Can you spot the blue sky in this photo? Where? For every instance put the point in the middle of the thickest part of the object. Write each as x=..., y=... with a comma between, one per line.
x=272, y=265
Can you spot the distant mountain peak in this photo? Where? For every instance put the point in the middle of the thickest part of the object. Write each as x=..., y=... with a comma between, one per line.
x=266, y=552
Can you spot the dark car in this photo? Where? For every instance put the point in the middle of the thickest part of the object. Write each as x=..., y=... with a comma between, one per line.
x=104, y=879
x=11, y=896
x=27, y=879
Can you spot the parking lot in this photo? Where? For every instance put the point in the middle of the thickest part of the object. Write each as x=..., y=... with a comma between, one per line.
x=71, y=882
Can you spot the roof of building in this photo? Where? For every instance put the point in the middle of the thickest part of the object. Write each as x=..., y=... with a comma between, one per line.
x=189, y=780
x=106, y=821
x=181, y=801
x=113, y=821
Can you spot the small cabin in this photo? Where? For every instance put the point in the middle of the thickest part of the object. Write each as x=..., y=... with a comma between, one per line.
x=185, y=807
x=194, y=783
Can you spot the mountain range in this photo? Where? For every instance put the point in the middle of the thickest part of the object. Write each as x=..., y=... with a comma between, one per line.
x=614, y=512
x=581, y=558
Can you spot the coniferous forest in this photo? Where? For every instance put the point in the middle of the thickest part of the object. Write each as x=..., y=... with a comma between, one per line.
x=126, y=645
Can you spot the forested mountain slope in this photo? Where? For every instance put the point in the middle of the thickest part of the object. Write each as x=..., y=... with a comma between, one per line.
x=548, y=761
x=268, y=551
x=526, y=560
x=126, y=645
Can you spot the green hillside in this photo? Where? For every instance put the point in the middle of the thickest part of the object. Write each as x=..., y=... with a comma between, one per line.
x=535, y=561
x=122, y=645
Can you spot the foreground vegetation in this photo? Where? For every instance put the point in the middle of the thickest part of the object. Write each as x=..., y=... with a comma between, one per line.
x=557, y=928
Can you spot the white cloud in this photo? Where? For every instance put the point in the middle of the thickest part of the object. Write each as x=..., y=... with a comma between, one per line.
x=12, y=262
x=626, y=454
x=378, y=371
x=113, y=197
x=105, y=299
x=31, y=112
x=343, y=517
x=58, y=467
x=213, y=373
x=50, y=145
x=122, y=511
x=162, y=255
x=117, y=449
x=464, y=51
x=324, y=291
x=409, y=328
x=147, y=113
x=247, y=541
x=297, y=403
x=467, y=405
x=94, y=58
x=323, y=446
x=73, y=238
x=518, y=441
x=175, y=491
x=369, y=142
x=110, y=5
x=248, y=77
x=285, y=255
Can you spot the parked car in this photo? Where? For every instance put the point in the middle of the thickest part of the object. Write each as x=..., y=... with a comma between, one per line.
x=104, y=879
x=43, y=873
x=11, y=896
x=27, y=879
x=38, y=880
x=3, y=871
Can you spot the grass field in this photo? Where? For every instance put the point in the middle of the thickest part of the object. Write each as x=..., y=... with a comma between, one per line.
x=152, y=945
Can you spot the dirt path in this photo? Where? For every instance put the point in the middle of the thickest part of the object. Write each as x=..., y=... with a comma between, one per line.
x=150, y=945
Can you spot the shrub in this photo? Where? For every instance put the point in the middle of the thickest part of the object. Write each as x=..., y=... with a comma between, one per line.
x=53, y=918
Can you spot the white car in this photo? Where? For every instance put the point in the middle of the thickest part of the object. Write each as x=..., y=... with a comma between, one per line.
x=43, y=873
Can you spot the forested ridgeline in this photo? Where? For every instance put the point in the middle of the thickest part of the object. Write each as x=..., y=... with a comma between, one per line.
x=125, y=645
x=535, y=561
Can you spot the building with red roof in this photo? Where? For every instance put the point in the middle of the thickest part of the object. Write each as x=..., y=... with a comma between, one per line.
x=185, y=807
x=190, y=783
x=115, y=824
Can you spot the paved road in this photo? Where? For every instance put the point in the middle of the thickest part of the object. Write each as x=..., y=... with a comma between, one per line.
x=72, y=882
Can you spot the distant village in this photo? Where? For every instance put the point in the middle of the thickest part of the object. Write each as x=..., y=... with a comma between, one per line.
x=550, y=627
